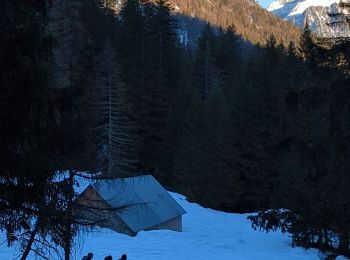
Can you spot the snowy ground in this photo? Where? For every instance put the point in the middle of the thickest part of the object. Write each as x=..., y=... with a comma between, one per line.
x=207, y=234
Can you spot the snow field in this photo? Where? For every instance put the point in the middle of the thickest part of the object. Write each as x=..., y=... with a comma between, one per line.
x=207, y=234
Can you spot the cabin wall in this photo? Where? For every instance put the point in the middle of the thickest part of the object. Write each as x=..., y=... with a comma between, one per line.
x=95, y=211
x=174, y=224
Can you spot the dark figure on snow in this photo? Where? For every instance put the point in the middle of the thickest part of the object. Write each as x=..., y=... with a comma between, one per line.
x=124, y=257
x=89, y=256
x=109, y=257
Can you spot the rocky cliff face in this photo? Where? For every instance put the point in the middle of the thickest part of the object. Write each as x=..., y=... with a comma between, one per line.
x=325, y=17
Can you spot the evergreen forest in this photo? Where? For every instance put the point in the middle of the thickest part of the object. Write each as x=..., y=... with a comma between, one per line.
x=87, y=89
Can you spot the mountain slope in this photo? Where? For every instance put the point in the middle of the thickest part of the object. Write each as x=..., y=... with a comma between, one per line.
x=253, y=22
x=315, y=12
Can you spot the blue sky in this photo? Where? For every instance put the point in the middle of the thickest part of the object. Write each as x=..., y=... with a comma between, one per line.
x=264, y=3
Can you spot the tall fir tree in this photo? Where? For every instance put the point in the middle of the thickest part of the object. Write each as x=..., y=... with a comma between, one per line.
x=307, y=48
x=206, y=75
x=228, y=59
x=162, y=57
x=114, y=129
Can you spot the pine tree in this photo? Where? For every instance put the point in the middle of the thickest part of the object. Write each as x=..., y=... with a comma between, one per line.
x=307, y=48
x=204, y=66
x=219, y=162
x=132, y=44
x=27, y=160
x=228, y=60
x=185, y=96
x=114, y=130
x=162, y=59
x=186, y=161
x=132, y=50
x=292, y=68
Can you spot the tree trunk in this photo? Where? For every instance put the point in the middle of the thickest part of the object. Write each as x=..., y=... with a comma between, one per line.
x=67, y=251
x=69, y=216
x=30, y=242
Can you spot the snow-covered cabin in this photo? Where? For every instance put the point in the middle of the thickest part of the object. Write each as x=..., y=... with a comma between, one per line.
x=130, y=205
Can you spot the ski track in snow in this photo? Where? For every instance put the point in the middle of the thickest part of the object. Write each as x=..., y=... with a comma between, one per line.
x=207, y=234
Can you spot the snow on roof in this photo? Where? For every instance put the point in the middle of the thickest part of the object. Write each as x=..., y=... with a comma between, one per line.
x=150, y=203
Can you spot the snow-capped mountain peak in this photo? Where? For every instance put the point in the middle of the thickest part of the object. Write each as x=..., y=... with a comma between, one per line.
x=315, y=12
x=278, y=4
x=299, y=6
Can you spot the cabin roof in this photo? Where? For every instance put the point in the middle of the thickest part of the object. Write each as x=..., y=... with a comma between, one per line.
x=144, y=202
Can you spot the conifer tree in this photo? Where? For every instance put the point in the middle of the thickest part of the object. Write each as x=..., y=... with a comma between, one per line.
x=186, y=161
x=219, y=153
x=292, y=68
x=307, y=48
x=228, y=60
x=185, y=97
x=28, y=153
x=162, y=58
x=113, y=130
x=134, y=63
x=132, y=44
x=204, y=66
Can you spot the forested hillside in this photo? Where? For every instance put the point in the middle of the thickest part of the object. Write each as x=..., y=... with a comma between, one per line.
x=88, y=93
x=253, y=22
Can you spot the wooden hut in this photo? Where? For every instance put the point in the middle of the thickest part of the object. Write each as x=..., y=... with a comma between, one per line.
x=130, y=205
